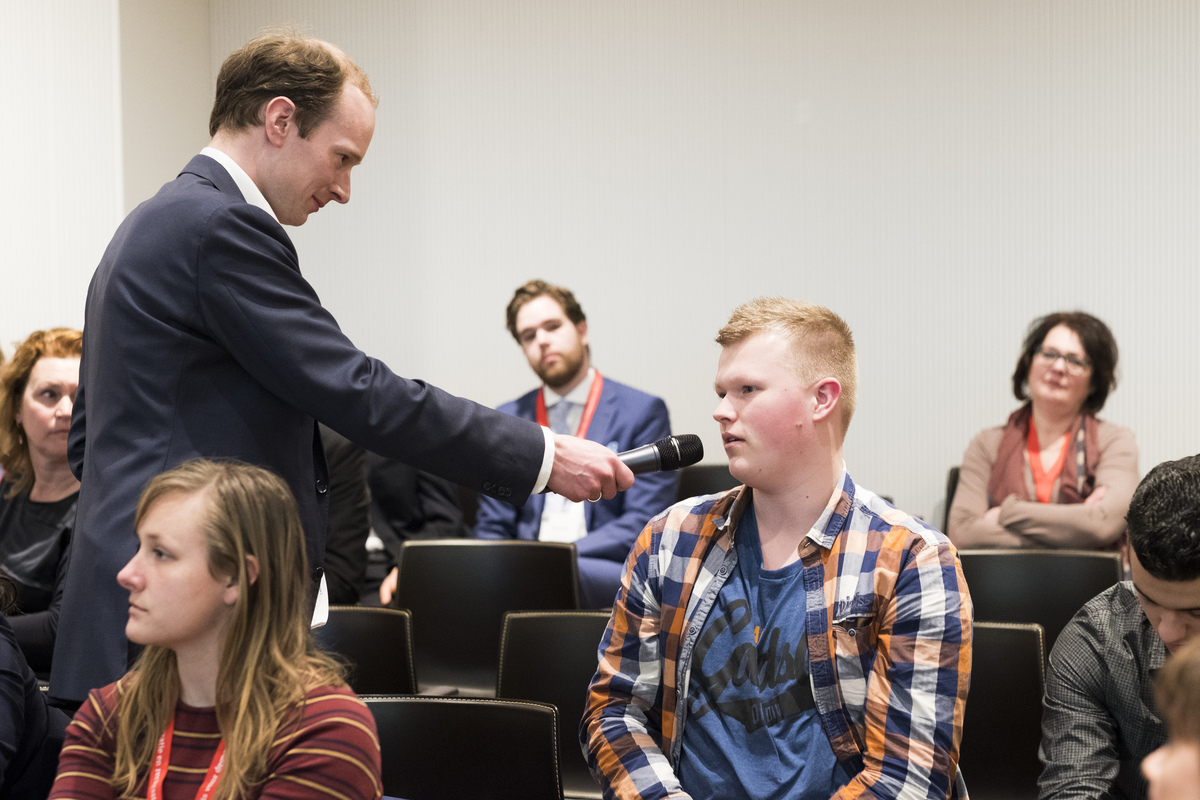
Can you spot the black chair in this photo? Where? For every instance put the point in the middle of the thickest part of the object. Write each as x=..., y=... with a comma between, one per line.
x=458, y=592
x=551, y=657
x=378, y=645
x=1003, y=722
x=448, y=748
x=1043, y=586
x=951, y=489
x=703, y=479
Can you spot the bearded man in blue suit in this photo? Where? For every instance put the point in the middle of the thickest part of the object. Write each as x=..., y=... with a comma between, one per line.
x=574, y=398
x=202, y=339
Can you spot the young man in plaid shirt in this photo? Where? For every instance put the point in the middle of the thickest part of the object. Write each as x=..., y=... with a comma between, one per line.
x=795, y=637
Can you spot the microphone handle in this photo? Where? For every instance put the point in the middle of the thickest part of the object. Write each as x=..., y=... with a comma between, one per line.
x=642, y=459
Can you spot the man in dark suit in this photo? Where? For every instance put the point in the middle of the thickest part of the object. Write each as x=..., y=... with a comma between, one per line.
x=574, y=398
x=203, y=339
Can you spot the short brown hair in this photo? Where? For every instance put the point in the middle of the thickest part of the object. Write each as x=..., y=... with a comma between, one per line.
x=1098, y=344
x=307, y=71
x=535, y=289
x=821, y=342
x=1177, y=693
x=14, y=449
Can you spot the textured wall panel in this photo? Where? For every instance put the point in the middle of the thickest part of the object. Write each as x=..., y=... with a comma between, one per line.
x=61, y=140
x=938, y=172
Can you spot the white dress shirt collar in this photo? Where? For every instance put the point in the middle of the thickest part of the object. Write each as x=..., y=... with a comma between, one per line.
x=249, y=190
x=578, y=395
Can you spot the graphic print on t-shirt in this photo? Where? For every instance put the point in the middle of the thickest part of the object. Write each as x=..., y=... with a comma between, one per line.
x=752, y=731
x=755, y=683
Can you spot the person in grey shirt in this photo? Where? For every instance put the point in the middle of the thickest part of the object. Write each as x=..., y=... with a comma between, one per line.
x=1100, y=719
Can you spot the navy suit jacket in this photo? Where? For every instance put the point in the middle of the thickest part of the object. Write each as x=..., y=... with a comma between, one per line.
x=625, y=418
x=202, y=338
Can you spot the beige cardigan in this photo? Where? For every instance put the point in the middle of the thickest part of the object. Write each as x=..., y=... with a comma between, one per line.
x=1030, y=524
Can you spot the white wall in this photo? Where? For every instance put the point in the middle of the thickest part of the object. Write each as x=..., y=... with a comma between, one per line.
x=167, y=86
x=939, y=172
x=61, y=195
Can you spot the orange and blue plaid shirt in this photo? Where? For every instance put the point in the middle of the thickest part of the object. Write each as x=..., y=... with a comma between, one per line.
x=889, y=641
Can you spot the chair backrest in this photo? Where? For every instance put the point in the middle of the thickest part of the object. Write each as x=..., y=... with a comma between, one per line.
x=1003, y=722
x=951, y=490
x=550, y=657
x=458, y=591
x=701, y=479
x=1043, y=586
x=377, y=643
x=448, y=748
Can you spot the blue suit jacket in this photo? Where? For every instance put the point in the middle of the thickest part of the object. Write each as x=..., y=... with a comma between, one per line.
x=625, y=418
x=202, y=338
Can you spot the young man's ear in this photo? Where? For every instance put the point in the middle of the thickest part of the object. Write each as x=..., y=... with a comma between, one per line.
x=827, y=393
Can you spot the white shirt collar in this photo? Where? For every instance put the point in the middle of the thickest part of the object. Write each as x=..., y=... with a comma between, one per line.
x=578, y=395
x=249, y=190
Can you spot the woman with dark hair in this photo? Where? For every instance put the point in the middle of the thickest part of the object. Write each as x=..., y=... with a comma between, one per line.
x=38, y=493
x=1054, y=475
x=31, y=733
x=218, y=594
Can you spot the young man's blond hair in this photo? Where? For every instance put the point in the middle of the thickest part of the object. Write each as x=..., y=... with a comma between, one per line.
x=821, y=343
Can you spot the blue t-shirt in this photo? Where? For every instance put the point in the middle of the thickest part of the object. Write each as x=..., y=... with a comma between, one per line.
x=752, y=729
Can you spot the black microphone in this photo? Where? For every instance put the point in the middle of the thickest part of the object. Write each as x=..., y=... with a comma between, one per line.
x=673, y=452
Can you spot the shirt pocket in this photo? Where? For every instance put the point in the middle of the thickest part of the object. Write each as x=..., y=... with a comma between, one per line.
x=854, y=636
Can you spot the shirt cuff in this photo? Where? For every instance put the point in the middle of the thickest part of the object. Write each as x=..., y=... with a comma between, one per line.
x=547, y=462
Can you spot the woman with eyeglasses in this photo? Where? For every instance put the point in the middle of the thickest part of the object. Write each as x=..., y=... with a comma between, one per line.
x=1054, y=475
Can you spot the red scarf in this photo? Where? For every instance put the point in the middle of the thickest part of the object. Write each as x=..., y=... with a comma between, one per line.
x=1078, y=477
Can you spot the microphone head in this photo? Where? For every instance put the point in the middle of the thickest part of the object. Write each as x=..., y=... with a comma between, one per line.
x=677, y=452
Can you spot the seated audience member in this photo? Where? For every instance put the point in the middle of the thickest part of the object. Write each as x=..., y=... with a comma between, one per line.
x=348, y=525
x=229, y=686
x=407, y=504
x=1054, y=475
x=375, y=503
x=1, y=376
x=795, y=637
x=31, y=733
x=1100, y=719
x=1173, y=770
x=38, y=494
x=574, y=398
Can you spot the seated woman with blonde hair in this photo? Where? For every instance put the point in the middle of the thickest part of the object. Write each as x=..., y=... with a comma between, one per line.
x=1054, y=475
x=229, y=699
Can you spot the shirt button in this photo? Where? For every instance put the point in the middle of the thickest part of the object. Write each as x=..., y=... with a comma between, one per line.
x=721, y=571
x=322, y=487
x=692, y=630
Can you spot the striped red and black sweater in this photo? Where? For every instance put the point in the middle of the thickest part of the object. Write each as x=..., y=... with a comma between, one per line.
x=330, y=749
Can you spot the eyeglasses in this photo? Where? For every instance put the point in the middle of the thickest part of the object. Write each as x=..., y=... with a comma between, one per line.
x=1075, y=365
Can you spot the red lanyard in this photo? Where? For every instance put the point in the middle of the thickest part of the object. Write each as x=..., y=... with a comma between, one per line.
x=588, y=410
x=162, y=757
x=1043, y=480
